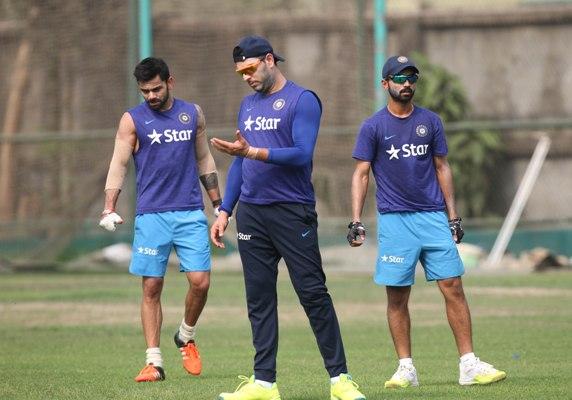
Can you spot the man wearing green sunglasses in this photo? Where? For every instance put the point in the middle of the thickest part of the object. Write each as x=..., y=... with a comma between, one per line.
x=405, y=146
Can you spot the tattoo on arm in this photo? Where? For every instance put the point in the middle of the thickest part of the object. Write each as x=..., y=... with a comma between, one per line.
x=209, y=181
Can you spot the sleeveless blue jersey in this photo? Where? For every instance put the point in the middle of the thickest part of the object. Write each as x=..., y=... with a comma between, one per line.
x=266, y=121
x=165, y=163
x=401, y=153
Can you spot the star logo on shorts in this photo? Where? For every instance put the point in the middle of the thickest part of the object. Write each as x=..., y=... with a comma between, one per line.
x=248, y=124
x=393, y=152
x=155, y=137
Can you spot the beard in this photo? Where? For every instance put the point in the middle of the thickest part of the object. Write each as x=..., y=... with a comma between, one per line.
x=404, y=96
x=266, y=83
x=159, y=104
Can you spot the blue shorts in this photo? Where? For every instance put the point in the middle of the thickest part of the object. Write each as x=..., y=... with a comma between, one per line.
x=407, y=237
x=157, y=233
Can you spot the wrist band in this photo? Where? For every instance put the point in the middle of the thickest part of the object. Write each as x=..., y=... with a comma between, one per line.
x=252, y=153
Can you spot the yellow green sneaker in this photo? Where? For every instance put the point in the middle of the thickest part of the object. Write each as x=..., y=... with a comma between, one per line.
x=250, y=390
x=345, y=389
x=478, y=372
x=405, y=376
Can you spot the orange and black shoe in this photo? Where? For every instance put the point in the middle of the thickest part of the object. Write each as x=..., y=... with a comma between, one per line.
x=150, y=373
x=191, y=357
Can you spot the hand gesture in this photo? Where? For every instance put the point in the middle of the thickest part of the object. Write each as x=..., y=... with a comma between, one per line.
x=237, y=148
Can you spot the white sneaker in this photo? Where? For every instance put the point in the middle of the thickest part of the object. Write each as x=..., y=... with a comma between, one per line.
x=479, y=372
x=403, y=377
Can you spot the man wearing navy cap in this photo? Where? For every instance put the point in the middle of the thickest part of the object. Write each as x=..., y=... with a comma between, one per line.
x=417, y=221
x=276, y=217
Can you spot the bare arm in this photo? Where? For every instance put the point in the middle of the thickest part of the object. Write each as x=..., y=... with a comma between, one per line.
x=445, y=179
x=205, y=161
x=360, y=181
x=125, y=144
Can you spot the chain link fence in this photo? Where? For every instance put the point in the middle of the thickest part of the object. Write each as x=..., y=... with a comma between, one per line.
x=66, y=80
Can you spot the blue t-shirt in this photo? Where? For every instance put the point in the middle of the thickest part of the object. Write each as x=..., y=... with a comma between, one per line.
x=401, y=152
x=165, y=163
x=266, y=121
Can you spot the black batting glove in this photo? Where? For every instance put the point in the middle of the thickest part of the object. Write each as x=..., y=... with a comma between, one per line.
x=356, y=234
x=456, y=229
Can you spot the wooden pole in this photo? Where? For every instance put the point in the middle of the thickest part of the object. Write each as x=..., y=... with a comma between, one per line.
x=10, y=127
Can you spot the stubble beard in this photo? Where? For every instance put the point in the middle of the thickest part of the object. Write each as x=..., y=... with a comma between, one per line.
x=399, y=97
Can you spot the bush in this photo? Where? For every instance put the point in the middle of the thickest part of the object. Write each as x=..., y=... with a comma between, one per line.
x=472, y=153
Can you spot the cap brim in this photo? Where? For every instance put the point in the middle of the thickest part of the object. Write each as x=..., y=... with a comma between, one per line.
x=278, y=57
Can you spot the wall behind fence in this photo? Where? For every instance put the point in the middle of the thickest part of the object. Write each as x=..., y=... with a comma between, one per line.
x=512, y=63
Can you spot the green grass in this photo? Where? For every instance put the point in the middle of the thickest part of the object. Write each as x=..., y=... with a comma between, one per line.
x=77, y=336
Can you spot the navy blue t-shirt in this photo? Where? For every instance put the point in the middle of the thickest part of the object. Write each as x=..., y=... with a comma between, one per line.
x=266, y=121
x=165, y=163
x=401, y=152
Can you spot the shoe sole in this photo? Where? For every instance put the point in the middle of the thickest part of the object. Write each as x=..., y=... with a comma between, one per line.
x=494, y=379
x=392, y=385
x=149, y=380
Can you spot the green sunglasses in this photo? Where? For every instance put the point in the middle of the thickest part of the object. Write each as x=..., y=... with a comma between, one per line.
x=401, y=79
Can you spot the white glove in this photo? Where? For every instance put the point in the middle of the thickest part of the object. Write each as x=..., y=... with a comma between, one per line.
x=109, y=220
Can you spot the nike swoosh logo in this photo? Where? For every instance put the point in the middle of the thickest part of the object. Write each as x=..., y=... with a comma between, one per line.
x=148, y=122
x=389, y=137
x=305, y=234
x=248, y=109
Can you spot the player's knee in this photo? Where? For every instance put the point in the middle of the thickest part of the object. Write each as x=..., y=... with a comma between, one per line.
x=452, y=288
x=152, y=291
x=313, y=297
x=201, y=285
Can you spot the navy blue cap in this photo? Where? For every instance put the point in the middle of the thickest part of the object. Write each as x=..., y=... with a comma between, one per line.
x=253, y=46
x=394, y=65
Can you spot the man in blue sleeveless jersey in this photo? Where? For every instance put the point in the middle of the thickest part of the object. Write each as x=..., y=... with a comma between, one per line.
x=276, y=217
x=168, y=141
x=417, y=221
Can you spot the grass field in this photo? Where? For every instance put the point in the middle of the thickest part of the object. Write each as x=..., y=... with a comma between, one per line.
x=77, y=336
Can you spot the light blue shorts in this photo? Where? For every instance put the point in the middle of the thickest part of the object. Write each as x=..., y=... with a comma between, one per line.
x=407, y=237
x=157, y=233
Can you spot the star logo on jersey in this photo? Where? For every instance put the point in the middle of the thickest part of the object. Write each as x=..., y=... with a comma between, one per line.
x=248, y=124
x=393, y=152
x=384, y=258
x=155, y=137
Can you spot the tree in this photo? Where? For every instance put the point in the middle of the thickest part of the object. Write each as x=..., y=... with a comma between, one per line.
x=472, y=153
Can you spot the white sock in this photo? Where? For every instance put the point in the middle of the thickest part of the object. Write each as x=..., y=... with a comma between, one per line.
x=467, y=357
x=406, y=362
x=264, y=384
x=334, y=379
x=154, y=356
x=187, y=332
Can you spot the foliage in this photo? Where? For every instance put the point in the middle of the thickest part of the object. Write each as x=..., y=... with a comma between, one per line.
x=472, y=153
